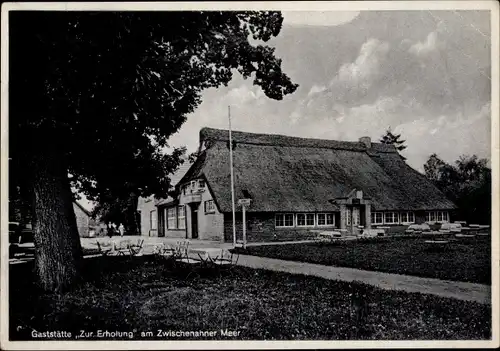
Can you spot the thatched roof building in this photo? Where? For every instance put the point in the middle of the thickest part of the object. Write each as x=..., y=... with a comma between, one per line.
x=290, y=174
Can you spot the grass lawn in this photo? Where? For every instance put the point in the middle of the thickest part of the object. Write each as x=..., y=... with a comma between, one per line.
x=142, y=294
x=469, y=262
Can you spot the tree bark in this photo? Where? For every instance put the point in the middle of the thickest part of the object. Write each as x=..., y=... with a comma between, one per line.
x=58, y=252
x=133, y=212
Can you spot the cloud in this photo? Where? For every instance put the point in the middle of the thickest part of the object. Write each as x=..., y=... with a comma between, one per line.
x=366, y=65
x=426, y=47
x=243, y=95
x=316, y=89
x=318, y=18
x=352, y=82
x=450, y=136
x=430, y=45
x=357, y=79
x=346, y=122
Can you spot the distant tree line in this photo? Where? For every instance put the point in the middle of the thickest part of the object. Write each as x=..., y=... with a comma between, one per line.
x=466, y=182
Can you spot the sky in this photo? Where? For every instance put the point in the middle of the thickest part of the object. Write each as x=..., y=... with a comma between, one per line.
x=424, y=74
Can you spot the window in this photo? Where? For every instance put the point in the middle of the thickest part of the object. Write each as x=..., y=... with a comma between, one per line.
x=391, y=217
x=181, y=217
x=152, y=220
x=356, y=218
x=171, y=218
x=305, y=219
x=284, y=220
x=407, y=217
x=433, y=216
x=411, y=217
x=201, y=184
x=209, y=206
x=326, y=219
x=445, y=217
x=436, y=216
x=377, y=218
x=347, y=217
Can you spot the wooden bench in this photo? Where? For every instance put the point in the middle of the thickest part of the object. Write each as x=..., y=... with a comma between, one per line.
x=465, y=237
x=374, y=232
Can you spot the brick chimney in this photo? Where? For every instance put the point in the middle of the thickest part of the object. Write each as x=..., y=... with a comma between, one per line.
x=367, y=141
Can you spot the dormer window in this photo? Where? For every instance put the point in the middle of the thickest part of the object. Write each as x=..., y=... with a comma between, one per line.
x=193, y=187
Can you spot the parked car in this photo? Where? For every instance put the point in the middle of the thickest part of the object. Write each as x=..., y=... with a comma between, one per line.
x=20, y=235
x=27, y=235
x=14, y=233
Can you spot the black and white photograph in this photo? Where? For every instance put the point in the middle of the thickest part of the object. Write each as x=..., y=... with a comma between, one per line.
x=207, y=175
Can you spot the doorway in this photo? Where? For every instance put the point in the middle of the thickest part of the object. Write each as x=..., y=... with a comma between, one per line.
x=194, y=222
x=354, y=219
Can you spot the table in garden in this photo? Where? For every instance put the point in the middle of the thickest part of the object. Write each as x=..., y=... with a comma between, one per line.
x=332, y=236
x=465, y=237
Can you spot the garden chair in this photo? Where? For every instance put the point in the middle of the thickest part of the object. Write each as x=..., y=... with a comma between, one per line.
x=166, y=252
x=122, y=248
x=226, y=261
x=136, y=250
x=181, y=249
x=181, y=253
x=158, y=249
x=103, y=251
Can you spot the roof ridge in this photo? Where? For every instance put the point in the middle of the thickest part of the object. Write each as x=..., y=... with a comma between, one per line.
x=291, y=141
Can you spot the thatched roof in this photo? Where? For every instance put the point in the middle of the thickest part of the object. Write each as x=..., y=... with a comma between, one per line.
x=284, y=173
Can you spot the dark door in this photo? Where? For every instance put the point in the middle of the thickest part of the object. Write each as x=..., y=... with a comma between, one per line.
x=194, y=223
x=362, y=214
x=161, y=221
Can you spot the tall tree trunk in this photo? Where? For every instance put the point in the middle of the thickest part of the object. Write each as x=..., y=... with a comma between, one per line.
x=58, y=252
x=133, y=212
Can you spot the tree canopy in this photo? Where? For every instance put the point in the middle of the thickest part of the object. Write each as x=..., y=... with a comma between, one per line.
x=467, y=183
x=111, y=87
x=97, y=94
x=393, y=139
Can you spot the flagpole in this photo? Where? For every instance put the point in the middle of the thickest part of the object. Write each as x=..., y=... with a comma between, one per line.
x=232, y=174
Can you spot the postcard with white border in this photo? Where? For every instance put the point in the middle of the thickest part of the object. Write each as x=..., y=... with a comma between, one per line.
x=250, y=175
